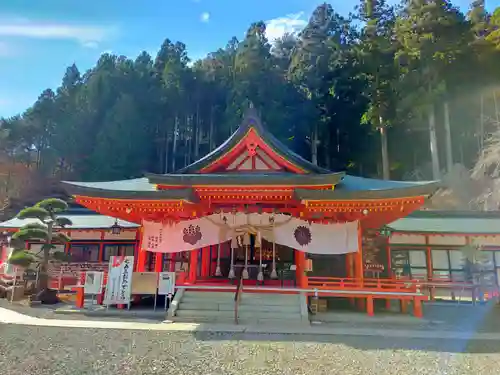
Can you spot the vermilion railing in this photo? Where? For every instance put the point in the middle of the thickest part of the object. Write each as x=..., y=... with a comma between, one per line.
x=382, y=285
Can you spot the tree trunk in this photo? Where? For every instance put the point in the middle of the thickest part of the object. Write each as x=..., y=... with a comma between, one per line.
x=314, y=145
x=447, y=129
x=481, y=125
x=436, y=174
x=211, y=137
x=43, y=293
x=174, y=142
x=386, y=172
x=165, y=170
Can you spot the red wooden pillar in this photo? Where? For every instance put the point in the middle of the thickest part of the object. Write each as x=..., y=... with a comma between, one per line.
x=142, y=255
x=80, y=297
x=389, y=269
x=417, y=308
x=430, y=273
x=205, y=261
x=171, y=264
x=300, y=264
x=358, y=257
x=349, y=273
x=193, y=266
x=369, y=306
x=159, y=262
x=358, y=264
x=101, y=248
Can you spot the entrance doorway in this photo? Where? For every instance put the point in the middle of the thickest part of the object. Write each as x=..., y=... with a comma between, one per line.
x=249, y=258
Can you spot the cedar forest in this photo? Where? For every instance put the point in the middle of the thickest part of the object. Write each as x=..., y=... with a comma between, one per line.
x=398, y=92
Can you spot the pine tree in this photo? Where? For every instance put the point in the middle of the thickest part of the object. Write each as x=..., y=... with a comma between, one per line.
x=44, y=221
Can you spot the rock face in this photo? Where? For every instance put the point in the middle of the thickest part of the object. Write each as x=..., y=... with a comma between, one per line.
x=47, y=297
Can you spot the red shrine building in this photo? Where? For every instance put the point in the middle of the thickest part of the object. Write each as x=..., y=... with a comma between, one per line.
x=252, y=174
x=253, y=212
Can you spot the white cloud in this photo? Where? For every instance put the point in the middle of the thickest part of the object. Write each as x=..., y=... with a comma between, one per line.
x=205, y=17
x=90, y=44
x=87, y=35
x=292, y=23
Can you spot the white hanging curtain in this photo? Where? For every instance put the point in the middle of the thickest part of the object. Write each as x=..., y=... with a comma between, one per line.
x=281, y=229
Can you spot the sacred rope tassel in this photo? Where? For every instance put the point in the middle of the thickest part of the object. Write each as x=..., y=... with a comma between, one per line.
x=231, y=269
x=258, y=240
x=234, y=242
x=217, y=268
x=246, y=243
x=274, y=274
x=234, y=245
x=258, y=245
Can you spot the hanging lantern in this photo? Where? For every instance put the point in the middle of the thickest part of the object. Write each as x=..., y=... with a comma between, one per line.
x=116, y=228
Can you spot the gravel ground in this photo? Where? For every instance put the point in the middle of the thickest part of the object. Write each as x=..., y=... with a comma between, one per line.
x=61, y=351
x=464, y=318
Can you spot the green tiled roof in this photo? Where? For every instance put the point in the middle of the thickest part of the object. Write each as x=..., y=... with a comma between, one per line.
x=94, y=221
x=444, y=222
x=135, y=184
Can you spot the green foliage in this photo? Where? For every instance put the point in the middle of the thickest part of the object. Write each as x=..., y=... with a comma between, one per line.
x=322, y=91
x=61, y=237
x=26, y=234
x=61, y=256
x=53, y=205
x=63, y=222
x=22, y=258
x=34, y=213
x=43, y=231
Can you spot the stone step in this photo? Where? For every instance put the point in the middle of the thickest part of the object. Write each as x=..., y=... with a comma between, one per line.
x=248, y=298
x=242, y=321
x=270, y=301
x=230, y=295
x=210, y=295
x=202, y=305
x=195, y=314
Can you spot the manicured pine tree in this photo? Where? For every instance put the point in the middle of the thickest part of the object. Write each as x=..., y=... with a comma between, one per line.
x=44, y=220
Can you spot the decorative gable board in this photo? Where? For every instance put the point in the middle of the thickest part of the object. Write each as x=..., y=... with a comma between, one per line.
x=236, y=163
x=259, y=161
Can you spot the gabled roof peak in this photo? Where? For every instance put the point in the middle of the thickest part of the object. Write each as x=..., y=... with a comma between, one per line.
x=281, y=156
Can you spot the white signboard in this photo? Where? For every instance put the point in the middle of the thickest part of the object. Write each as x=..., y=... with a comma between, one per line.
x=93, y=282
x=119, y=286
x=166, y=283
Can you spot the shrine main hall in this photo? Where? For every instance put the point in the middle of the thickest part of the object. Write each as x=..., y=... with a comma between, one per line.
x=255, y=210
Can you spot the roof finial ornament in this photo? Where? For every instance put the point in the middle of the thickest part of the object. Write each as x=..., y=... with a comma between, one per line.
x=250, y=104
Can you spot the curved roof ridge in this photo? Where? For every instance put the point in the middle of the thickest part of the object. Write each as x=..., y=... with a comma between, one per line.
x=251, y=119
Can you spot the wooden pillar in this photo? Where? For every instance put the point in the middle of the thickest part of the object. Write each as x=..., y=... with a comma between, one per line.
x=101, y=248
x=80, y=297
x=358, y=264
x=417, y=308
x=171, y=263
x=193, y=266
x=358, y=257
x=369, y=306
x=428, y=256
x=159, y=262
x=388, y=304
x=300, y=267
x=142, y=255
x=205, y=261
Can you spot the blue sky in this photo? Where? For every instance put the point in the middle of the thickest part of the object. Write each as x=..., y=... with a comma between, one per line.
x=40, y=38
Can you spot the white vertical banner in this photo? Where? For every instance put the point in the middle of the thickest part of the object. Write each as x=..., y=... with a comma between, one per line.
x=119, y=285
